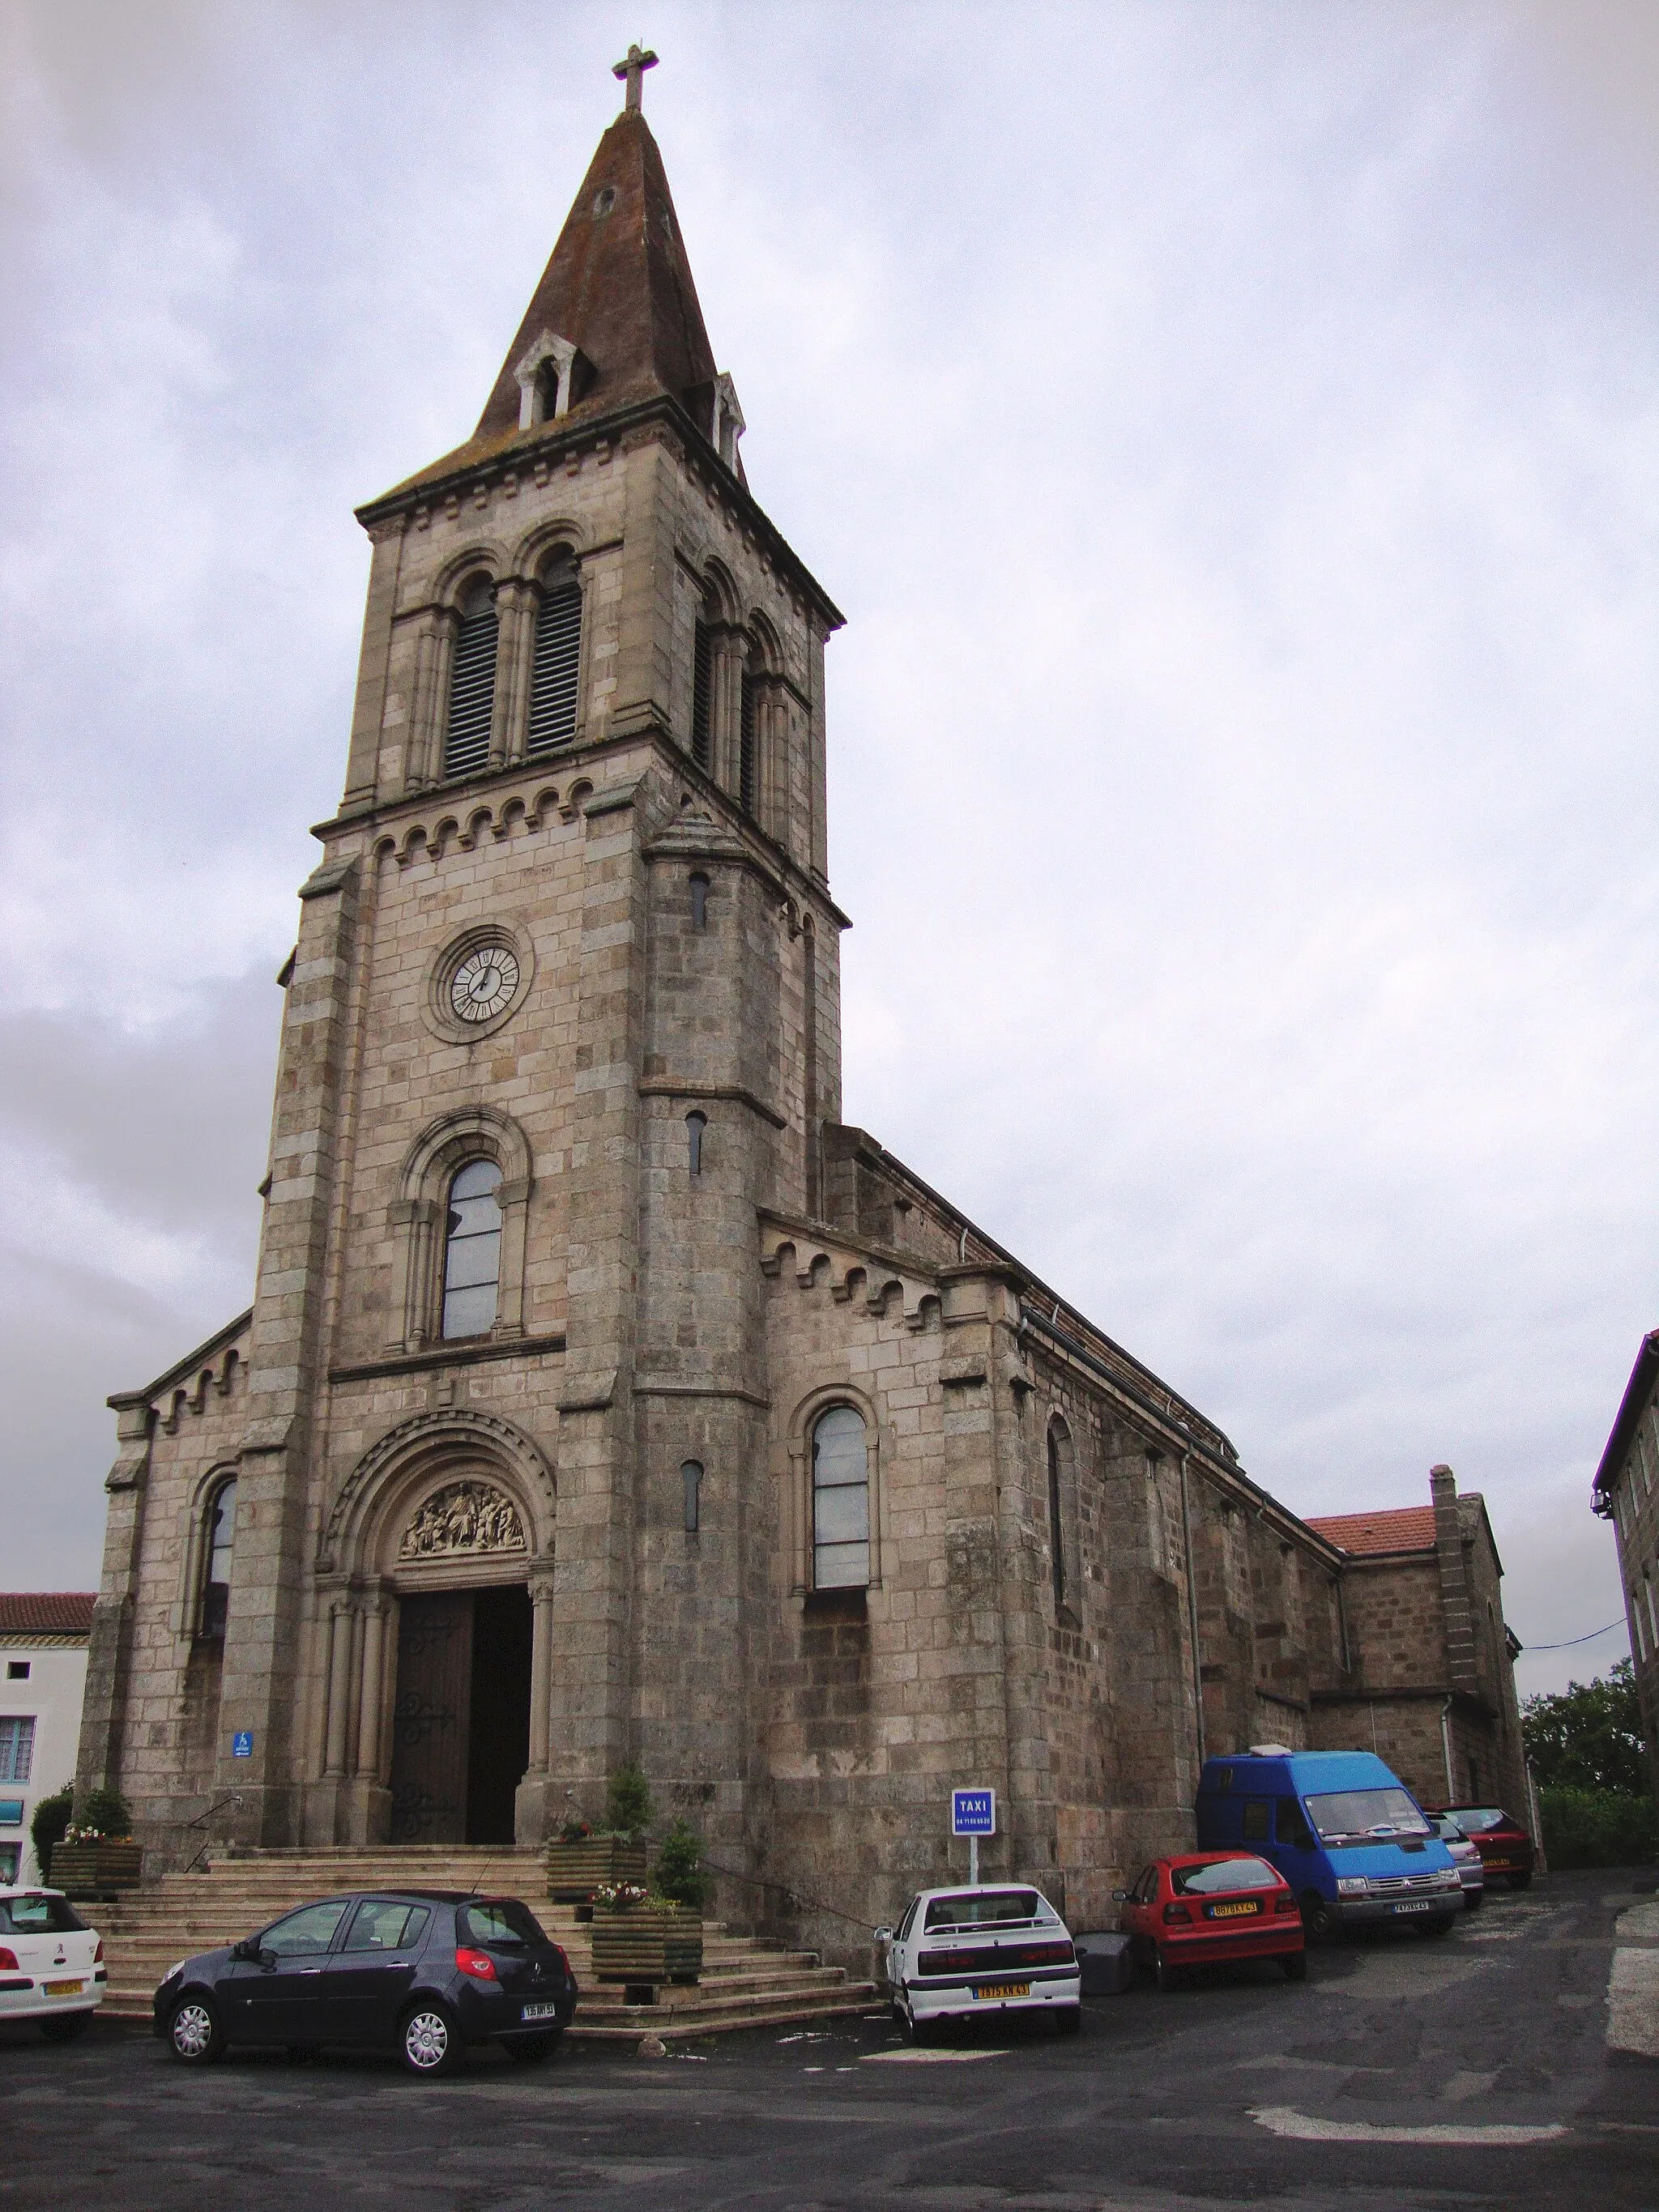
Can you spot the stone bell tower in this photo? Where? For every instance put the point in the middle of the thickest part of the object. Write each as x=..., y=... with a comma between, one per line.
x=562, y=1014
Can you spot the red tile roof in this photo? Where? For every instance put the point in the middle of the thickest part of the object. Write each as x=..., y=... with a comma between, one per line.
x=47, y=1612
x=1401, y=1529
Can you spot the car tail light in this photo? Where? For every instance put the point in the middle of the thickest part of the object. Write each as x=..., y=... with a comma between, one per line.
x=1286, y=1904
x=1176, y=1910
x=479, y=1964
x=98, y=1955
x=9, y=1962
x=557, y=1950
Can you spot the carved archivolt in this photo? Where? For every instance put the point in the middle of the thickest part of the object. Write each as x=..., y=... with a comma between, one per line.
x=463, y=1517
x=413, y=1463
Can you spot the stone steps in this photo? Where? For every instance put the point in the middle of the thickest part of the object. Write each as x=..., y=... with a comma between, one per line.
x=747, y=1981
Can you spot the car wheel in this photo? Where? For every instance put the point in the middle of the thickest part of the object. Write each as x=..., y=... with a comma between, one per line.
x=194, y=2035
x=430, y=2041
x=1294, y=1966
x=1318, y=1921
x=66, y=2027
x=1167, y=1975
x=531, y=2050
x=919, y=2031
x=1522, y=1881
x=1068, y=2019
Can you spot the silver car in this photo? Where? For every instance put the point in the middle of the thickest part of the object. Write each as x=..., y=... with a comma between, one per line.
x=1466, y=1857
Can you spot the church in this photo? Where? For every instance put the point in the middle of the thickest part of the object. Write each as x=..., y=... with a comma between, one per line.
x=604, y=1396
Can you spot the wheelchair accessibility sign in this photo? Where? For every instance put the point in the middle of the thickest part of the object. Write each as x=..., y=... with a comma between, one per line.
x=241, y=1744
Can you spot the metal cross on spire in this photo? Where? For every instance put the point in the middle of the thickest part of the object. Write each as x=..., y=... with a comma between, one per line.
x=633, y=69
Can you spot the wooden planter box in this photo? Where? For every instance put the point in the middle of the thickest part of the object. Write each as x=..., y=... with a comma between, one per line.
x=96, y=1869
x=649, y=1943
x=575, y=1871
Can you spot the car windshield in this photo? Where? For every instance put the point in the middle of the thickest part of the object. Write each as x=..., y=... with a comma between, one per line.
x=1354, y=1816
x=1221, y=1874
x=1447, y=1830
x=498, y=1920
x=1475, y=1820
x=988, y=1908
x=38, y=1915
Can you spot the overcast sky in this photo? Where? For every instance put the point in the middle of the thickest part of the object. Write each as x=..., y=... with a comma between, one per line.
x=1232, y=432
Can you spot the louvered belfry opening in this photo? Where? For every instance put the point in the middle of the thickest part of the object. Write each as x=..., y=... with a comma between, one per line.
x=702, y=695
x=554, y=671
x=746, y=744
x=471, y=684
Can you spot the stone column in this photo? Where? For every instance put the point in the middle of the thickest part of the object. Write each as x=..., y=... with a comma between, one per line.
x=516, y=603
x=339, y=1687
x=368, y=1731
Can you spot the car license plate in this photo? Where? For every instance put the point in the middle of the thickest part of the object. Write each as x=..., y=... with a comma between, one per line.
x=61, y=1989
x=1234, y=1911
x=1420, y=1906
x=1501, y=1865
x=1003, y=1990
x=539, y=2012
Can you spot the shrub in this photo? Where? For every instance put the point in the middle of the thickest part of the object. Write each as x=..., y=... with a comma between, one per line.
x=1598, y=1827
x=103, y=1813
x=630, y=1811
x=47, y=1825
x=679, y=1874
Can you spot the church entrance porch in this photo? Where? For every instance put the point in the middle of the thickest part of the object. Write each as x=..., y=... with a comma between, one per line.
x=460, y=1730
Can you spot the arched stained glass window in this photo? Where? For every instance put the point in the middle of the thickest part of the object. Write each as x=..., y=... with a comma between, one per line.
x=472, y=1250
x=840, y=1500
x=220, y=1534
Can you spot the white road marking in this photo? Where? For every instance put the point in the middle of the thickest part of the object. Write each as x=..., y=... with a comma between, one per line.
x=911, y=2058
x=1633, y=2003
x=1285, y=2120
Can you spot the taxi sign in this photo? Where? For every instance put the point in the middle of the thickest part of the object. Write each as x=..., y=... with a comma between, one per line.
x=973, y=1812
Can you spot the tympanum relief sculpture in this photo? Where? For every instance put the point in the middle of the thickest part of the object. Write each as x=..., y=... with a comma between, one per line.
x=463, y=1517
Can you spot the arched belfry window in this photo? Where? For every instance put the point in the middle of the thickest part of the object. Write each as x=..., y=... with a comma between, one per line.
x=702, y=696
x=747, y=743
x=555, y=665
x=472, y=682
x=1062, y=1491
x=840, y=1500
x=219, y=1536
x=472, y=1250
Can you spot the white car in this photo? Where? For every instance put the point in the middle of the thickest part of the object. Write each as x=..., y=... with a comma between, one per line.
x=959, y=1954
x=52, y=1964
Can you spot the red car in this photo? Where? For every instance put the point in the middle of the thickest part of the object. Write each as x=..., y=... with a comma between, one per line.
x=1204, y=1907
x=1504, y=1846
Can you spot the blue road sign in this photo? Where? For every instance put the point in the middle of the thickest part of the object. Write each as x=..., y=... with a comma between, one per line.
x=973, y=1812
x=241, y=1744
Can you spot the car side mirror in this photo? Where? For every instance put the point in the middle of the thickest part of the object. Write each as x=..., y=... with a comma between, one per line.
x=884, y=1934
x=1119, y=1897
x=246, y=1949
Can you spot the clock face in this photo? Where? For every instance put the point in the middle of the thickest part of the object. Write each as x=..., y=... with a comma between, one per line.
x=482, y=986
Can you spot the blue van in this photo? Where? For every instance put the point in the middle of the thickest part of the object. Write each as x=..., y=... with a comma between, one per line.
x=1346, y=1833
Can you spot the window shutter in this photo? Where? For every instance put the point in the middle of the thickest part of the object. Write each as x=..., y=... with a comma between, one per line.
x=702, y=686
x=746, y=746
x=558, y=664
x=471, y=693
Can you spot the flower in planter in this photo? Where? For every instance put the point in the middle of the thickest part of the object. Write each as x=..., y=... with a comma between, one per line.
x=621, y=1896
x=74, y=1835
x=574, y=1831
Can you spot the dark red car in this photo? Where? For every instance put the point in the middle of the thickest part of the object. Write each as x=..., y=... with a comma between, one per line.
x=1202, y=1908
x=1504, y=1845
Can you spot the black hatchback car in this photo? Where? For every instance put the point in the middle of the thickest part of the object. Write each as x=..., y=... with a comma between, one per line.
x=422, y=1971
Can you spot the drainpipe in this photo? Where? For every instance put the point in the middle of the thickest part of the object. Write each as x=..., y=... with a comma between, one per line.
x=1445, y=1745
x=1192, y=1612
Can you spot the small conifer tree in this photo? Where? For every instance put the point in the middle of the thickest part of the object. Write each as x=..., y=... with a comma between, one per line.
x=630, y=1811
x=680, y=1877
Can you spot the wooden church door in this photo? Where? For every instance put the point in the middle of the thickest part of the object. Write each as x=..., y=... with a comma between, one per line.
x=429, y=1726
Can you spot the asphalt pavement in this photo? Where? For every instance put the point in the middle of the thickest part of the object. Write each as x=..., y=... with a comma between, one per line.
x=1405, y=2073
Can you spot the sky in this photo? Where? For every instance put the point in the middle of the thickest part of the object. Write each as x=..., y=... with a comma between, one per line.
x=1231, y=434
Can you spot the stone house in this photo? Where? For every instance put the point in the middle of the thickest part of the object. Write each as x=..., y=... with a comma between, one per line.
x=44, y=1637
x=1625, y=1490
x=603, y=1394
x=1430, y=1680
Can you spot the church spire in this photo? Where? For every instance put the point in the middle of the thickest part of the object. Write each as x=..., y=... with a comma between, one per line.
x=615, y=315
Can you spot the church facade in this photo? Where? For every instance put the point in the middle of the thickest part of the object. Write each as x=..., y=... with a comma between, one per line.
x=604, y=1396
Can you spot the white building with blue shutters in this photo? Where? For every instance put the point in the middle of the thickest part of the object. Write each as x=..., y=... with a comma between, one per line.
x=43, y=1676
